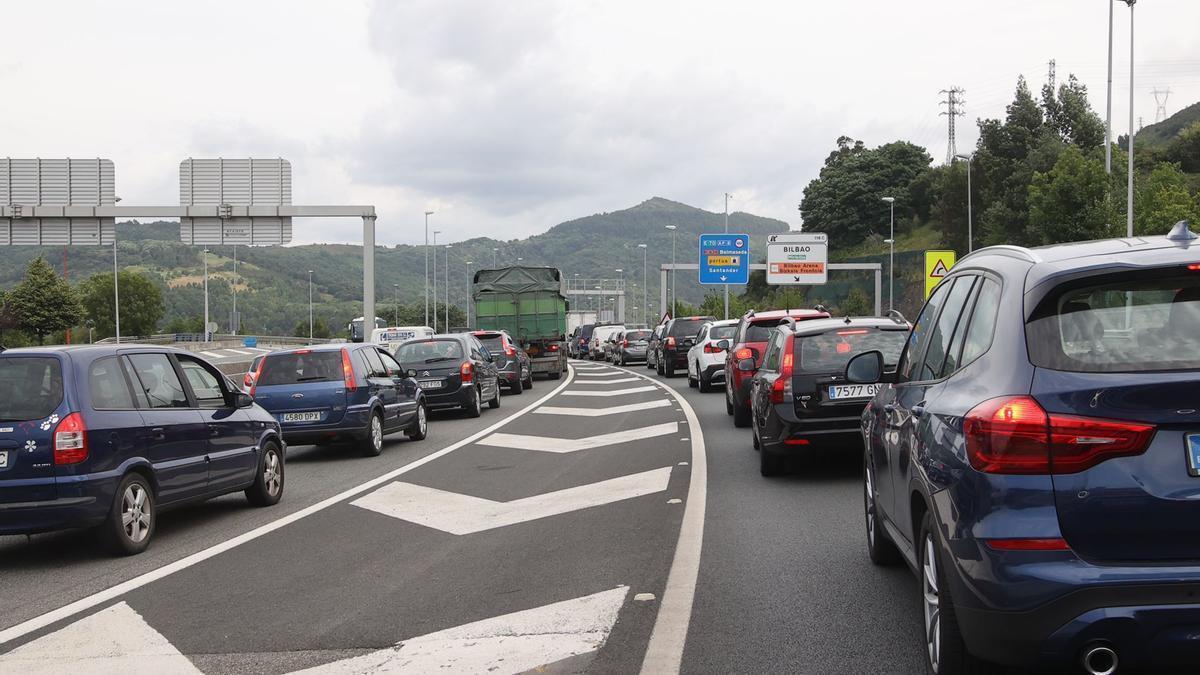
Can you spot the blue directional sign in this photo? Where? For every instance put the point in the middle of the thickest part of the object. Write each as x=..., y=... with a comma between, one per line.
x=724, y=258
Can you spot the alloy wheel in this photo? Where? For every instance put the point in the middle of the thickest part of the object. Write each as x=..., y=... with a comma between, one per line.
x=134, y=515
x=869, y=501
x=932, y=604
x=422, y=420
x=272, y=477
x=376, y=432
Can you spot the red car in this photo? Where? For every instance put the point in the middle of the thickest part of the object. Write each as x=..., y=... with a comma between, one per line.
x=750, y=342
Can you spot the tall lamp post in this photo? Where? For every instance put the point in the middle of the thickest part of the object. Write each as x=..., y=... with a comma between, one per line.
x=310, y=307
x=615, y=297
x=234, y=323
x=116, y=289
x=672, y=229
x=396, y=304
x=1108, y=116
x=727, y=196
x=434, y=324
x=1129, y=197
x=467, y=292
x=427, y=214
x=205, y=254
x=448, y=247
x=970, y=222
x=891, y=249
x=645, y=306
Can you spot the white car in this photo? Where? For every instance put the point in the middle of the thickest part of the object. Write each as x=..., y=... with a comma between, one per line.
x=392, y=337
x=600, y=335
x=706, y=359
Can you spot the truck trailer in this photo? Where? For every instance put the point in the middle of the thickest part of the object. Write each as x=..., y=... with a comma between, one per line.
x=530, y=303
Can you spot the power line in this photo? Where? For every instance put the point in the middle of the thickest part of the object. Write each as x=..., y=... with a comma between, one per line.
x=953, y=105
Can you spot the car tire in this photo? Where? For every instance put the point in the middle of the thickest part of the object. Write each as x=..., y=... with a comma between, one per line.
x=692, y=383
x=754, y=439
x=134, y=501
x=728, y=402
x=882, y=550
x=268, y=485
x=475, y=407
x=669, y=369
x=553, y=376
x=703, y=382
x=944, y=649
x=419, y=429
x=495, y=402
x=741, y=416
x=770, y=464
x=518, y=386
x=528, y=381
x=372, y=444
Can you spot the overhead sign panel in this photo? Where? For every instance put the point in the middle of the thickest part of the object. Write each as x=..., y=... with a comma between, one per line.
x=62, y=182
x=724, y=258
x=937, y=266
x=797, y=258
x=226, y=182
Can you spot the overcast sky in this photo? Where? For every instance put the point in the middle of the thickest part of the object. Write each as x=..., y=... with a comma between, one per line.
x=508, y=117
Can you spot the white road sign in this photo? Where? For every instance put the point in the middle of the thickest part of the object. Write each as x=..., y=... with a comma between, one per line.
x=797, y=258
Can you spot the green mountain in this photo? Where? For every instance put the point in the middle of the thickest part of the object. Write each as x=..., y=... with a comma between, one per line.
x=272, y=282
x=1164, y=132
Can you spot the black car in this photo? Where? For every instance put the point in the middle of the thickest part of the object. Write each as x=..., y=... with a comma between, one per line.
x=652, y=343
x=799, y=399
x=512, y=361
x=453, y=370
x=678, y=336
x=577, y=346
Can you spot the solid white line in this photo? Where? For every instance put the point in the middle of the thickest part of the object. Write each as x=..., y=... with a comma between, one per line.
x=614, y=392
x=259, y=349
x=464, y=514
x=238, y=351
x=563, y=445
x=212, y=354
x=114, y=592
x=664, y=654
x=600, y=412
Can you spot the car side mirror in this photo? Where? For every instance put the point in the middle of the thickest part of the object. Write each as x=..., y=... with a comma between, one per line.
x=867, y=368
x=242, y=400
x=723, y=345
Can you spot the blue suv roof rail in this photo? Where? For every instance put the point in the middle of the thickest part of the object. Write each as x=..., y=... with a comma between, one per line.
x=1009, y=250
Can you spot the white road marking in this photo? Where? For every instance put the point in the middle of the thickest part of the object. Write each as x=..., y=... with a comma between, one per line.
x=602, y=373
x=619, y=380
x=463, y=514
x=514, y=643
x=211, y=354
x=114, y=640
x=614, y=392
x=116, y=591
x=564, y=445
x=259, y=349
x=238, y=351
x=600, y=412
x=674, y=501
x=643, y=597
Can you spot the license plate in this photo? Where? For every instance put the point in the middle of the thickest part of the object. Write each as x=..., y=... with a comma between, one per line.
x=1193, y=452
x=431, y=384
x=844, y=392
x=302, y=417
x=3, y=459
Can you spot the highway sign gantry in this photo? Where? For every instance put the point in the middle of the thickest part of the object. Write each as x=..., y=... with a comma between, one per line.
x=937, y=266
x=724, y=258
x=797, y=258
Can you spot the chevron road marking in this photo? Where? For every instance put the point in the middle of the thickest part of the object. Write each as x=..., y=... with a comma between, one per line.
x=564, y=445
x=619, y=380
x=600, y=412
x=463, y=514
x=614, y=392
x=602, y=373
x=504, y=645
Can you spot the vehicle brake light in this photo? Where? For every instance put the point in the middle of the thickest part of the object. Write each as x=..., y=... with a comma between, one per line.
x=671, y=342
x=1015, y=435
x=743, y=354
x=796, y=441
x=70, y=440
x=552, y=347
x=302, y=351
x=1046, y=544
x=710, y=348
x=509, y=350
x=347, y=371
x=1194, y=267
x=781, y=388
x=624, y=343
x=254, y=379
x=467, y=371
x=857, y=331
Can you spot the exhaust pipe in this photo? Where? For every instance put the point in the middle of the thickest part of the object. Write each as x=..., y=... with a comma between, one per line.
x=1100, y=660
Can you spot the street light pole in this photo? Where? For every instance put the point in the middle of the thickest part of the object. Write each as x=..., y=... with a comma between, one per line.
x=435, y=234
x=891, y=251
x=645, y=307
x=396, y=304
x=116, y=289
x=205, y=254
x=467, y=292
x=1108, y=117
x=970, y=222
x=427, y=214
x=1129, y=202
x=672, y=229
x=727, y=196
x=310, y=307
x=622, y=289
x=233, y=324
x=448, y=247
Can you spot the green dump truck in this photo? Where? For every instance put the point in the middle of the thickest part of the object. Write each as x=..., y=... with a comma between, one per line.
x=530, y=303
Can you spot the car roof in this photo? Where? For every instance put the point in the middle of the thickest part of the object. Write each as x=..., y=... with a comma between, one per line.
x=818, y=326
x=773, y=314
x=91, y=349
x=725, y=322
x=323, y=347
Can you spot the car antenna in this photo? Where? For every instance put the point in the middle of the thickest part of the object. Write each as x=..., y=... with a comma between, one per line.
x=1181, y=232
x=821, y=308
x=847, y=319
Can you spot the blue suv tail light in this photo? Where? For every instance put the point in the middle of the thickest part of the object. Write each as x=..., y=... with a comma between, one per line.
x=1015, y=435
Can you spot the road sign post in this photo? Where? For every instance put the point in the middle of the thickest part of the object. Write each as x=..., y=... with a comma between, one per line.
x=724, y=259
x=797, y=258
x=937, y=266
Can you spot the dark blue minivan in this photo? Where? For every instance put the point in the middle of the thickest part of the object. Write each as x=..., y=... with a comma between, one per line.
x=108, y=436
x=1035, y=458
x=340, y=392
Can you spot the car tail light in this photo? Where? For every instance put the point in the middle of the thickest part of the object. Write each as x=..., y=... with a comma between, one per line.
x=254, y=379
x=796, y=441
x=671, y=342
x=1047, y=544
x=1194, y=267
x=347, y=371
x=509, y=350
x=624, y=343
x=710, y=348
x=1015, y=435
x=743, y=354
x=857, y=331
x=302, y=351
x=552, y=347
x=467, y=372
x=248, y=380
x=781, y=388
x=70, y=440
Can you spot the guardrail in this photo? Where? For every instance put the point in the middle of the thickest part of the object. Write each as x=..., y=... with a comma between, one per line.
x=173, y=338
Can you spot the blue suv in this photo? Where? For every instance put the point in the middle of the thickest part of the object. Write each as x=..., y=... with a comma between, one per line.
x=1035, y=458
x=108, y=436
x=340, y=392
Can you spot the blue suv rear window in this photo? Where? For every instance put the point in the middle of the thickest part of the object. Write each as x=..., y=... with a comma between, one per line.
x=1142, y=322
x=30, y=387
x=297, y=367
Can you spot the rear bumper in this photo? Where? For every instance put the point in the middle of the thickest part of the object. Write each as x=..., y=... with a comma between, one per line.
x=713, y=373
x=84, y=503
x=442, y=400
x=634, y=354
x=675, y=358
x=352, y=425
x=806, y=433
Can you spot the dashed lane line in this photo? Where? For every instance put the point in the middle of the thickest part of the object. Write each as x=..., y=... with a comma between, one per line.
x=564, y=445
x=600, y=412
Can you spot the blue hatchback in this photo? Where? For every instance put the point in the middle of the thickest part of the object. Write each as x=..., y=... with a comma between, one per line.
x=108, y=436
x=340, y=392
x=1036, y=457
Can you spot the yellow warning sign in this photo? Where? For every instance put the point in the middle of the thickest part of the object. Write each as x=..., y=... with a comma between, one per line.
x=937, y=266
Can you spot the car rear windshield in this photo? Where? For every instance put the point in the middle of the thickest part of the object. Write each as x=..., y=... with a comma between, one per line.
x=1143, y=321
x=494, y=342
x=829, y=352
x=637, y=335
x=301, y=367
x=722, y=332
x=686, y=327
x=586, y=331
x=30, y=387
x=429, y=351
x=760, y=331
